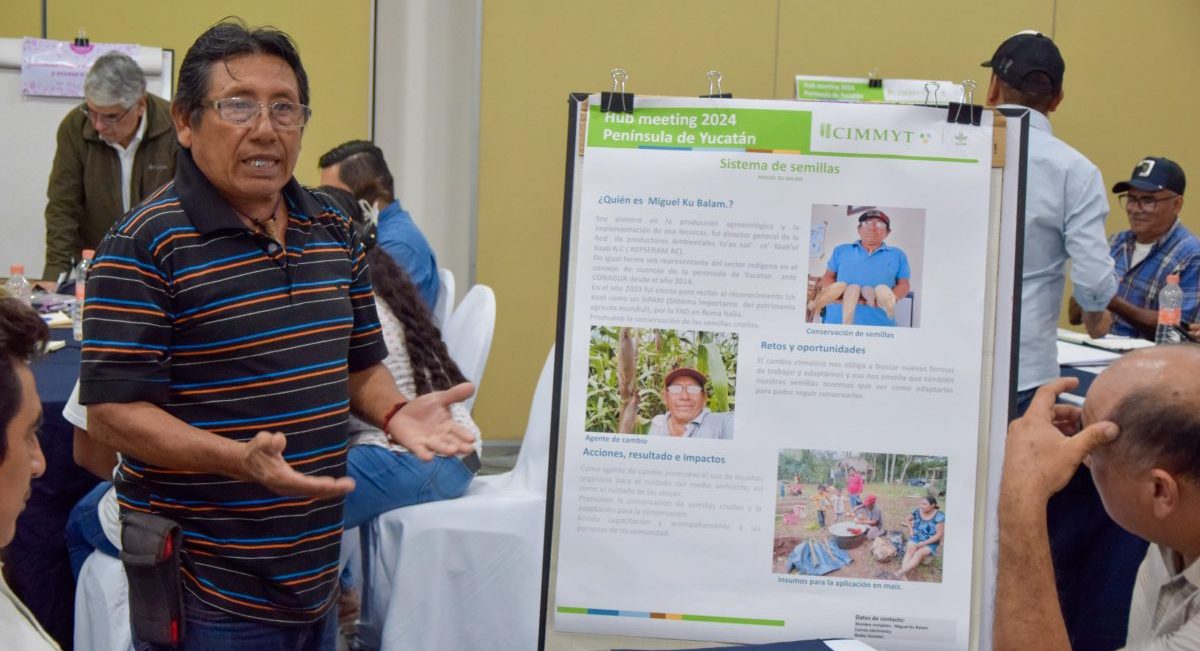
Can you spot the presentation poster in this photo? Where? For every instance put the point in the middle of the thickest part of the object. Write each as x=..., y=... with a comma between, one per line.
x=890, y=91
x=772, y=373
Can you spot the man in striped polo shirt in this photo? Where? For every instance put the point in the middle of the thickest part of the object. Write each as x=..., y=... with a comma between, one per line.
x=229, y=332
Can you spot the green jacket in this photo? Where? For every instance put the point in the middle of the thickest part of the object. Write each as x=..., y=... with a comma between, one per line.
x=85, y=193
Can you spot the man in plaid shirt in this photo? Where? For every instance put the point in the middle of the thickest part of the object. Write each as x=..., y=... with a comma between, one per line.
x=1156, y=245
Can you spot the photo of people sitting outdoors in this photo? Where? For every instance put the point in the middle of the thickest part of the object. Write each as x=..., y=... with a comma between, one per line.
x=860, y=515
x=674, y=383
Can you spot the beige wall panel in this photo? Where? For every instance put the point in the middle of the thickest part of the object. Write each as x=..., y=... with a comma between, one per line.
x=1131, y=89
x=534, y=54
x=946, y=39
x=20, y=18
x=333, y=37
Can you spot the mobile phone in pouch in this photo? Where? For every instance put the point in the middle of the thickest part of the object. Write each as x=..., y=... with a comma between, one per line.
x=150, y=553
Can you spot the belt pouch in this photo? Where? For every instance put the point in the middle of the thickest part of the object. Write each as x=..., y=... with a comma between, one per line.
x=150, y=553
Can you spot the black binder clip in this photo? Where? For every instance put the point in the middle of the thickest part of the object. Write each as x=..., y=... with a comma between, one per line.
x=617, y=100
x=873, y=81
x=966, y=111
x=81, y=39
x=714, y=86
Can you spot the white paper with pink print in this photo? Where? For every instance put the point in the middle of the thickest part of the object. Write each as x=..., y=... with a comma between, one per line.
x=57, y=68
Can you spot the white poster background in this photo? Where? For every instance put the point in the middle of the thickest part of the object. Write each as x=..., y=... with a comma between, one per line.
x=701, y=567
x=57, y=68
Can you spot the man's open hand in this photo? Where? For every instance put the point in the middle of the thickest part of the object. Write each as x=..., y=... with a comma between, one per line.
x=263, y=463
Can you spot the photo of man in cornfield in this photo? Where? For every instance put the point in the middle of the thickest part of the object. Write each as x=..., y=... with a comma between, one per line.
x=678, y=383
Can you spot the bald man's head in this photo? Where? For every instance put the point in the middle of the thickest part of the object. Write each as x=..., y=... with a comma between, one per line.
x=1153, y=395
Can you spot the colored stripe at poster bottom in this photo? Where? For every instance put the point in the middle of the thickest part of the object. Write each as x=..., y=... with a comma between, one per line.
x=713, y=619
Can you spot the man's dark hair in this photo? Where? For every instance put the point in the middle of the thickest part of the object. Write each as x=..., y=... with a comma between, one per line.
x=363, y=170
x=1039, y=99
x=22, y=335
x=1160, y=428
x=227, y=40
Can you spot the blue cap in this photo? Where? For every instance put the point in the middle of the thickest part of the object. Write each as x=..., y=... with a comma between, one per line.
x=1153, y=174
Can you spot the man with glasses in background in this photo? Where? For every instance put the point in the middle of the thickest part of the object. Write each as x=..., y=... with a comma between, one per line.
x=229, y=332
x=1156, y=245
x=688, y=416
x=119, y=134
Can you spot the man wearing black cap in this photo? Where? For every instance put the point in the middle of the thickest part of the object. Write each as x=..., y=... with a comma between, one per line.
x=1095, y=561
x=1065, y=209
x=865, y=278
x=1155, y=246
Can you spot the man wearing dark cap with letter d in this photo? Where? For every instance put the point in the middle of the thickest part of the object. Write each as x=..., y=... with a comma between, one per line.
x=1095, y=560
x=1156, y=245
x=688, y=416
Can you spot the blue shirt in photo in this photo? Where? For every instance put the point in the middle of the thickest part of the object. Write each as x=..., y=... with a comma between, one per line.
x=852, y=264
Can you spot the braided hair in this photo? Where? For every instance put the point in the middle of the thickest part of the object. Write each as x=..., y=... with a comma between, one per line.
x=433, y=370
x=432, y=367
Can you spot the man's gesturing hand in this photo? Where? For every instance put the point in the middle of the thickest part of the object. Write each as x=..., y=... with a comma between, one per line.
x=263, y=463
x=425, y=428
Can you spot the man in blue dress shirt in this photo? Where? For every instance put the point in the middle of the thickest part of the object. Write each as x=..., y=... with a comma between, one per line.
x=359, y=168
x=1095, y=560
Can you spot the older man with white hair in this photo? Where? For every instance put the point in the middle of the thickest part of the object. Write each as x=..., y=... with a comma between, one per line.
x=119, y=133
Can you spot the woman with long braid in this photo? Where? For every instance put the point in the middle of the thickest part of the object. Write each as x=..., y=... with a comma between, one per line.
x=386, y=475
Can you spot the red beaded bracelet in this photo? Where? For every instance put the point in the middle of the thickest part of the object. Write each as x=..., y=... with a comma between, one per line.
x=392, y=412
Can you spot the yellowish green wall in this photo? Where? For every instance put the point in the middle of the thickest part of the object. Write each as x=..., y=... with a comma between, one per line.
x=1131, y=86
x=20, y=18
x=535, y=53
x=334, y=40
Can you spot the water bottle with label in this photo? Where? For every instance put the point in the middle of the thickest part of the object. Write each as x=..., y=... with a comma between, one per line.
x=1170, y=304
x=80, y=289
x=17, y=286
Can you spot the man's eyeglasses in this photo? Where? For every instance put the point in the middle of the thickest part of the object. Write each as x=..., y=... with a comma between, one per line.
x=1146, y=204
x=873, y=223
x=236, y=110
x=678, y=389
x=106, y=118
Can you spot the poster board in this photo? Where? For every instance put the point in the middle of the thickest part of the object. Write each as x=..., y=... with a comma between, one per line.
x=692, y=224
x=29, y=127
x=864, y=89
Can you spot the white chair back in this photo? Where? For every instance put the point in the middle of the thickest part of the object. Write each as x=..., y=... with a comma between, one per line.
x=445, y=298
x=468, y=334
x=532, y=467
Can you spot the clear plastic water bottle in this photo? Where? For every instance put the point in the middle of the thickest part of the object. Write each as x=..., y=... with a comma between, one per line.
x=1170, y=302
x=81, y=270
x=16, y=286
